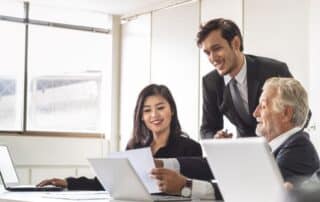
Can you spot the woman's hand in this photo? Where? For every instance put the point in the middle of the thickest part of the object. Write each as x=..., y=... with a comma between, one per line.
x=55, y=182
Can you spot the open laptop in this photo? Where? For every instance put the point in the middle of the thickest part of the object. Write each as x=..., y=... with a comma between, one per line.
x=9, y=176
x=119, y=178
x=245, y=169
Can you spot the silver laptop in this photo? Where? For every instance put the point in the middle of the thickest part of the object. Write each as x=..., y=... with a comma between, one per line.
x=119, y=178
x=9, y=176
x=245, y=169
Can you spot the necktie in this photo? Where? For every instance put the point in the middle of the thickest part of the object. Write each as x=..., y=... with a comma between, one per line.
x=238, y=102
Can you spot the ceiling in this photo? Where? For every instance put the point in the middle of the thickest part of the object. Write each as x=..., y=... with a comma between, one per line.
x=114, y=7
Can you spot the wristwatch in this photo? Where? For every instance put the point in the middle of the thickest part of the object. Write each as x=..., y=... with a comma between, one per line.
x=186, y=191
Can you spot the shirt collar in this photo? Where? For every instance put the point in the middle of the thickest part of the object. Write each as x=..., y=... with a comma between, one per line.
x=241, y=76
x=276, y=142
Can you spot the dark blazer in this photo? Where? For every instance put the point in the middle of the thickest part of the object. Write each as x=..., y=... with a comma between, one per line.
x=297, y=158
x=217, y=100
x=176, y=146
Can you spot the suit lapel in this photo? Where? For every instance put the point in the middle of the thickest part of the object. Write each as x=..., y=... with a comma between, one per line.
x=253, y=83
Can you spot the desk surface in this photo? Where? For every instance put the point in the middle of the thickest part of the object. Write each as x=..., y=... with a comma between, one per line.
x=83, y=196
x=53, y=196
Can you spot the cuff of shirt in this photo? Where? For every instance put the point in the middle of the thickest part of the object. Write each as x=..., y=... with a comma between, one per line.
x=202, y=190
x=171, y=163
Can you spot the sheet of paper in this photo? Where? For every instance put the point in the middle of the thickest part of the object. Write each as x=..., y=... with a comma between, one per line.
x=142, y=161
x=78, y=195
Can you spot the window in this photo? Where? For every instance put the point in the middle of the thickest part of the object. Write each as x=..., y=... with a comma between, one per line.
x=67, y=65
x=66, y=69
x=12, y=8
x=11, y=75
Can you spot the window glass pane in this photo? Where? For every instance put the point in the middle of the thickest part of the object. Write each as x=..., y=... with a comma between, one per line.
x=12, y=8
x=69, y=16
x=67, y=85
x=11, y=75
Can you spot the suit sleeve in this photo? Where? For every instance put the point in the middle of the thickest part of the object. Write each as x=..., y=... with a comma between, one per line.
x=193, y=149
x=285, y=71
x=84, y=183
x=195, y=168
x=212, y=118
x=297, y=161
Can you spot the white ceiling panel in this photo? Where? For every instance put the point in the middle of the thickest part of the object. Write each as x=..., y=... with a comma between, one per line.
x=114, y=7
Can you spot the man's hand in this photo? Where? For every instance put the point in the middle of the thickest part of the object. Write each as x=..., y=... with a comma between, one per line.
x=222, y=134
x=169, y=181
x=54, y=181
x=288, y=186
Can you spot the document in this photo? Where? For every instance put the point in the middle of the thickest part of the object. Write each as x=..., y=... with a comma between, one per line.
x=142, y=162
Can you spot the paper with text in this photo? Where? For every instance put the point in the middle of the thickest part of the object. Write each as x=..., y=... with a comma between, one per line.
x=142, y=162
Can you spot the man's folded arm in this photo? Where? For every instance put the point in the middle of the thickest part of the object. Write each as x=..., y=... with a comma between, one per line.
x=195, y=168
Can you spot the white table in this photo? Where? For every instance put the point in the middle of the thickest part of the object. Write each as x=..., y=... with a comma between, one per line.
x=53, y=196
x=87, y=196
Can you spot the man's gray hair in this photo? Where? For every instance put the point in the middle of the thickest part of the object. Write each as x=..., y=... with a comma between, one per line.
x=291, y=93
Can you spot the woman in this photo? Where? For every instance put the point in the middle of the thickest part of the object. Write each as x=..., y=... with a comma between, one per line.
x=156, y=125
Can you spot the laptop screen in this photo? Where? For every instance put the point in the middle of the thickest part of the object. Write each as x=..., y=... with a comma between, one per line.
x=245, y=169
x=6, y=166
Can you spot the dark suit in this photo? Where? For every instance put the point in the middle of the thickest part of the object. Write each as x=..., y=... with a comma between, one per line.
x=217, y=100
x=297, y=158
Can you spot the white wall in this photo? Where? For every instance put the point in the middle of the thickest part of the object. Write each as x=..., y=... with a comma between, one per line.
x=135, y=69
x=174, y=60
x=279, y=29
x=37, y=158
x=314, y=81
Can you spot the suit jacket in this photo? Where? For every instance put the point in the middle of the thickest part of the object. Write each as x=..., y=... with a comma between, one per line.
x=297, y=158
x=217, y=100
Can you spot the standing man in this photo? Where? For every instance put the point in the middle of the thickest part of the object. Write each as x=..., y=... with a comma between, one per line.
x=234, y=87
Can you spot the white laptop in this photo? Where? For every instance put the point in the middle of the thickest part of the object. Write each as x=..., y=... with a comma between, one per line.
x=119, y=178
x=9, y=176
x=245, y=169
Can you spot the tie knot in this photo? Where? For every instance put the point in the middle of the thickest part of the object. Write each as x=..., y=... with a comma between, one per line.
x=233, y=82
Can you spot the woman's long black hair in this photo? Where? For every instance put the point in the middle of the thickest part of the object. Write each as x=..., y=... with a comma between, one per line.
x=142, y=136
